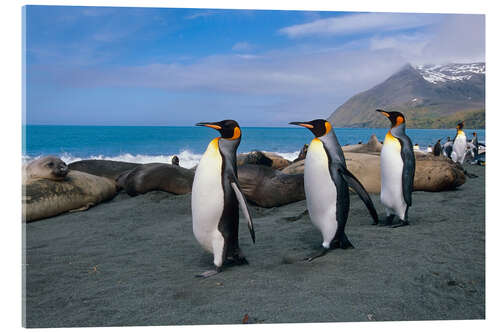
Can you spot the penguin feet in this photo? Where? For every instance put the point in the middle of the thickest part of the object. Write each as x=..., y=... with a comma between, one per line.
x=209, y=273
x=401, y=224
x=388, y=221
x=236, y=260
x=318, y=254
x=342, y=242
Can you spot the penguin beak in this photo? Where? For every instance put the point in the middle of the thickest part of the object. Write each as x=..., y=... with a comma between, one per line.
x=383, y=112
x=302, y=123
x=215, y=125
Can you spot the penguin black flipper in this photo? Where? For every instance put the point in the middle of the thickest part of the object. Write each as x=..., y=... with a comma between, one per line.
x=354, y=183
x=408, y=157
x=244, y=207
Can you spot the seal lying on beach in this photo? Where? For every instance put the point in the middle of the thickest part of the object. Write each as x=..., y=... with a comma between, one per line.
x=272, y=160
x=156, y=176
x=45, y=197
x=102, y=168
x=372, y=146
x=48, y=167
x=270, y=188
x=432, y=173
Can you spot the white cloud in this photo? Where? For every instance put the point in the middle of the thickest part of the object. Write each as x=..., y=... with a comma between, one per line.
x=243, y=46
x=359, y=23
x=459, y=38
x=304, y=80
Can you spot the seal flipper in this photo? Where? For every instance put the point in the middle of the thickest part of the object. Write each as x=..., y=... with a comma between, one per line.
x=244, y=207
x=353, y=182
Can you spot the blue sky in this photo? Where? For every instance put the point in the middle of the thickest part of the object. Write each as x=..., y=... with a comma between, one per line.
x=147, y=66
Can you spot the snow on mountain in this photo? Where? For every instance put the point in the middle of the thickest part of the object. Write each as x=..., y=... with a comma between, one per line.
x=451, y=72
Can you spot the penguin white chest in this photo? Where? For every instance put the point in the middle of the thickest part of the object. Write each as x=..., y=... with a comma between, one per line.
x=459, y=147
x=391, y=168
x=207, y=197
x=321, y=193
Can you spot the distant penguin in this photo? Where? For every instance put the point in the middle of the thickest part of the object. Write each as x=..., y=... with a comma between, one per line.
x=175, y=160
x=437, y=148
x=429, y=149
x=459, y=145
x=475, y=144
x=215, y=197
x=397, y=167
x=448, y=148
x=416, y=147
x=326, y=181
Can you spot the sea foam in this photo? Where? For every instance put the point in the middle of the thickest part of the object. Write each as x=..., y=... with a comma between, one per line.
x=187, y=158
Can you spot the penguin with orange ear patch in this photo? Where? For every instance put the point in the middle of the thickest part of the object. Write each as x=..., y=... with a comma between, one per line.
x=397, y=167
x=326, y=183
x=215, y=197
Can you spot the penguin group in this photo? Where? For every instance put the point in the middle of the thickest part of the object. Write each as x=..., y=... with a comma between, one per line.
x=217, y=196
x=460, y=150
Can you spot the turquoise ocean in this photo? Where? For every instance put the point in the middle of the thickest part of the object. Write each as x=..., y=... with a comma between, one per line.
x=147, y=144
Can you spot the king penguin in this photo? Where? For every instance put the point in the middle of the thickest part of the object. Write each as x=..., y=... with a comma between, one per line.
x=459, y=144
x=397, y=168
x=326, y=181
x=215, y=196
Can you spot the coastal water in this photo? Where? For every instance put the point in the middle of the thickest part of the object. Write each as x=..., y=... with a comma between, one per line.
x=147, y=144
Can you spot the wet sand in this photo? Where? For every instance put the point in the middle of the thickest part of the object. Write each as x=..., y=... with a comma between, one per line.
x=132, y=261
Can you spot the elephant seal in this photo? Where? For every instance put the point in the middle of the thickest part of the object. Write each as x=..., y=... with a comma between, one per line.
x=254, y=157
x=372, y=146
x=267, y=187
x=156, y=176
x=302, y=154
x=432, y=173
x=102, y=168
x=48, y=167
x=272, y=160
x=44, y=197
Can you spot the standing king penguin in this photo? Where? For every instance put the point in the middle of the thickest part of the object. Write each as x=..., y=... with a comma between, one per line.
x=397, y=168
x=459, y=145
x=215, y=197
x=326, y=181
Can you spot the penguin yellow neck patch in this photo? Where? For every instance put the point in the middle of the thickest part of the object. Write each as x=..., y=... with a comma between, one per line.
x=214, y=145
x=390, y=140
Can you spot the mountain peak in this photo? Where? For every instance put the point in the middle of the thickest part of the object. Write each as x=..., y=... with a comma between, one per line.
x=451, y=72
x=429, y=95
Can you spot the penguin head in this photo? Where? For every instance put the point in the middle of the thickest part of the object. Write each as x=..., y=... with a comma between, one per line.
x=396, y=118
x=228, y=129
x=318, y=127
x=460, y=125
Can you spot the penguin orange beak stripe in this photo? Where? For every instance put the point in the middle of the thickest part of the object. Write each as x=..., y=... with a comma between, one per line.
x=217, y=127
x=301, y=124
x=383, y=112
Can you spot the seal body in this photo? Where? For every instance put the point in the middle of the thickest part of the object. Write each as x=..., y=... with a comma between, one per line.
x=321, y=191
x=207, y=202
x=459, y=147
x=391, y=168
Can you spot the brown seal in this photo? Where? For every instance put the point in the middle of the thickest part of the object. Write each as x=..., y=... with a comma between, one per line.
x=267, y=187
x=156, y=177
x=48, y=167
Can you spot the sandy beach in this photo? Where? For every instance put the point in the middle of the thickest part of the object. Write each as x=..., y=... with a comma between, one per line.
x=133, y=260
